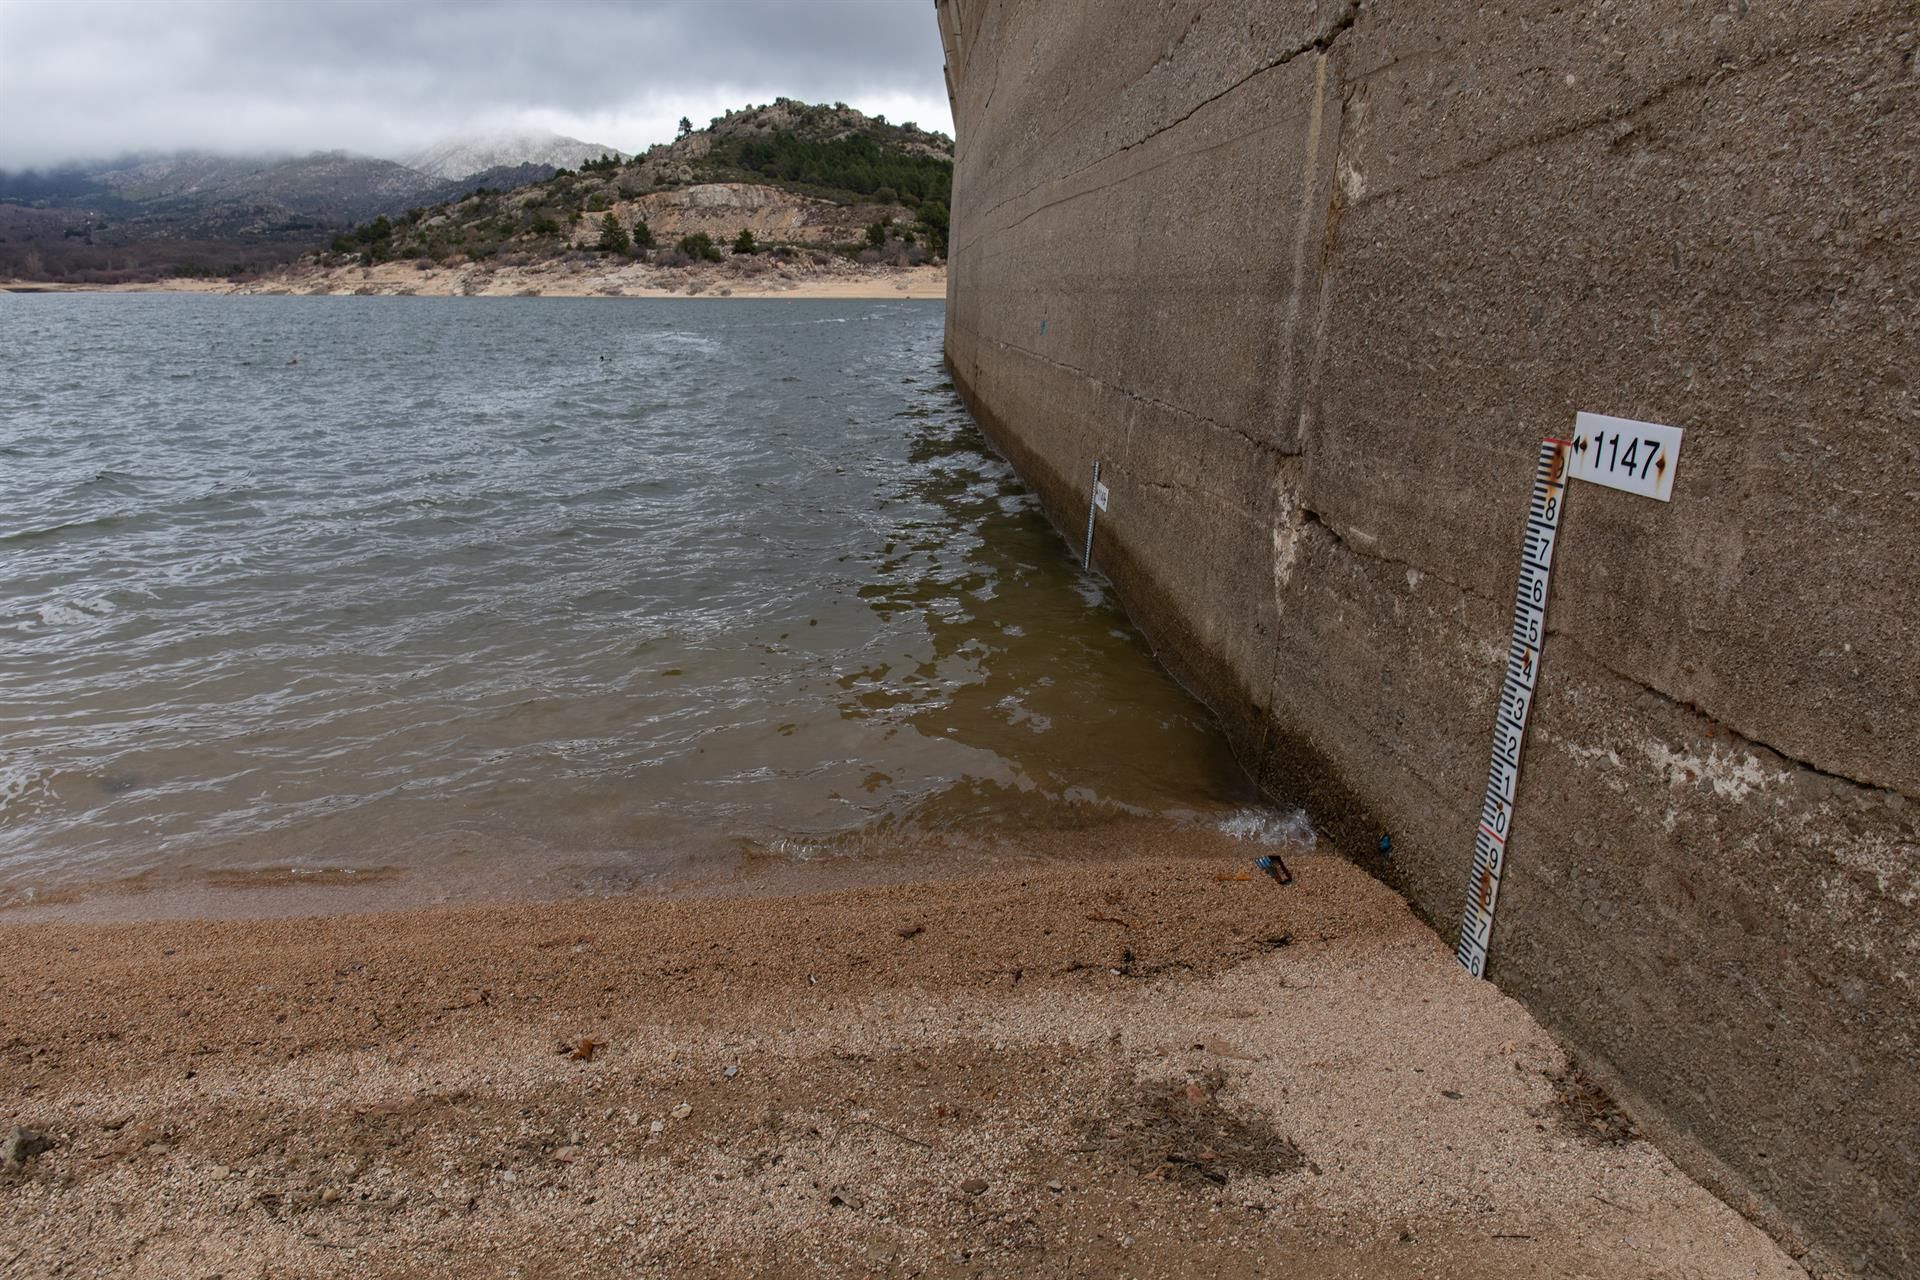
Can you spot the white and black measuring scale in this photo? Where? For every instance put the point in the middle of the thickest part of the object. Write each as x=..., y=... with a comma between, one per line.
x=1636, y=457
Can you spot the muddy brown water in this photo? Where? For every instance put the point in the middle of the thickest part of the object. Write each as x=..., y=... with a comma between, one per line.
x=458, y=599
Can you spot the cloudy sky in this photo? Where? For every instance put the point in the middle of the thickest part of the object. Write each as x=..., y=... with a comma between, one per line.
x=95, y=78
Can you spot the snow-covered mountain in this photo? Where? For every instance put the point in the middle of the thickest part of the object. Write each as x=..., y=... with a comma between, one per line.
x=464, y=157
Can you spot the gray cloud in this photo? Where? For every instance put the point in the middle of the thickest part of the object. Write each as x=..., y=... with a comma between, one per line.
x=93, y=78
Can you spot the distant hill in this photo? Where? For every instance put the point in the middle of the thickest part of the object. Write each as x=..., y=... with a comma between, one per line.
x=789, y=173
x=197, y=213
x=464, y=158
x=830, y=170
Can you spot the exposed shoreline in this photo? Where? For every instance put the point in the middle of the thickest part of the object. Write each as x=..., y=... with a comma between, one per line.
x=1135, y=1062
x=549, y=280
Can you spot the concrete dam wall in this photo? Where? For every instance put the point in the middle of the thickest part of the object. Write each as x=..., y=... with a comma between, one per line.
x=1312, y=280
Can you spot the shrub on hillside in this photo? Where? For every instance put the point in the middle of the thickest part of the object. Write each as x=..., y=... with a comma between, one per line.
x=933, y=225
x=744, y=243
x=700, y=247
x=859, y=163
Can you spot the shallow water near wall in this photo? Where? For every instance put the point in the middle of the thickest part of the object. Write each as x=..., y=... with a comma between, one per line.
x=504, y=596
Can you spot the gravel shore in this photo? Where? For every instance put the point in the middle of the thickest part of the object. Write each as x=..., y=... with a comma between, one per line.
x=1130, y=1066
x=556, y=279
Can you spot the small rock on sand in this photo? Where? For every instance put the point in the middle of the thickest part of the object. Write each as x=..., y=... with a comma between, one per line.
x=682, y=1111
x=19, y=1146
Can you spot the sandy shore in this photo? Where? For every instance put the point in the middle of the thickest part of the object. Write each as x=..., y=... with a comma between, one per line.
x=1133, y=1066
x=556, y=280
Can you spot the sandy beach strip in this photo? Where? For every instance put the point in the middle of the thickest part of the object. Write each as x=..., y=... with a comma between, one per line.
x=548, y=280
x=1136, y=1065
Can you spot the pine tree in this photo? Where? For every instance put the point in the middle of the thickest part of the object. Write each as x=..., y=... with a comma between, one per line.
x=613, y=236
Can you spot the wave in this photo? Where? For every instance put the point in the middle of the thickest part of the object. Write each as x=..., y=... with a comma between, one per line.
x=65, y=526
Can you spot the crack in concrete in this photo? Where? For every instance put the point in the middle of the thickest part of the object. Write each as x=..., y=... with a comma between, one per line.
x=1067, y=126
x=1591, y=658
x=1265, y=446
x=1130, y=175
x=1313, y=519
x=993, y=86
x=1610, y=116
x=1321, y=42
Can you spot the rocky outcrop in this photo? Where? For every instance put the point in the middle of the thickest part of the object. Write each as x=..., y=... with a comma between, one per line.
x=724, y=209
x=1311, y=281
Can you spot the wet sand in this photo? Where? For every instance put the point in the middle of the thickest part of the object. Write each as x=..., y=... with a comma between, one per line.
x=1128, y=1065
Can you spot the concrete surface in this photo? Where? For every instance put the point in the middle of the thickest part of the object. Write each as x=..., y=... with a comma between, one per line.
x=1311, y=280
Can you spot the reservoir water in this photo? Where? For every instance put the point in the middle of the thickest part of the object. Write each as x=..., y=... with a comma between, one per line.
x=536, y=595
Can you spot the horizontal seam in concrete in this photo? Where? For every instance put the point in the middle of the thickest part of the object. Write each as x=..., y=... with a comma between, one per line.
x=1589, y=656
x=1265, y=446
x=1315, y=518
x=1181, y=486
x=1130, y=175
x=1308, y=514
x=1319, y=44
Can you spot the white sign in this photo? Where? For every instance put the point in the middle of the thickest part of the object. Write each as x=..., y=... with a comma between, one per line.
x=1637, y=457
x=1099, y=495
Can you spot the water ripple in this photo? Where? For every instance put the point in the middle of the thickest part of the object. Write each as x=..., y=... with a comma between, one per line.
x=514, y=580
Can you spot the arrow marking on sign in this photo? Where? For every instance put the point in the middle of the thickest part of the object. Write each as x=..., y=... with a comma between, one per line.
x=1612, y=452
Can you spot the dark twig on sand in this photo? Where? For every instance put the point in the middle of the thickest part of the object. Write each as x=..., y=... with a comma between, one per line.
x=894, y=1133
